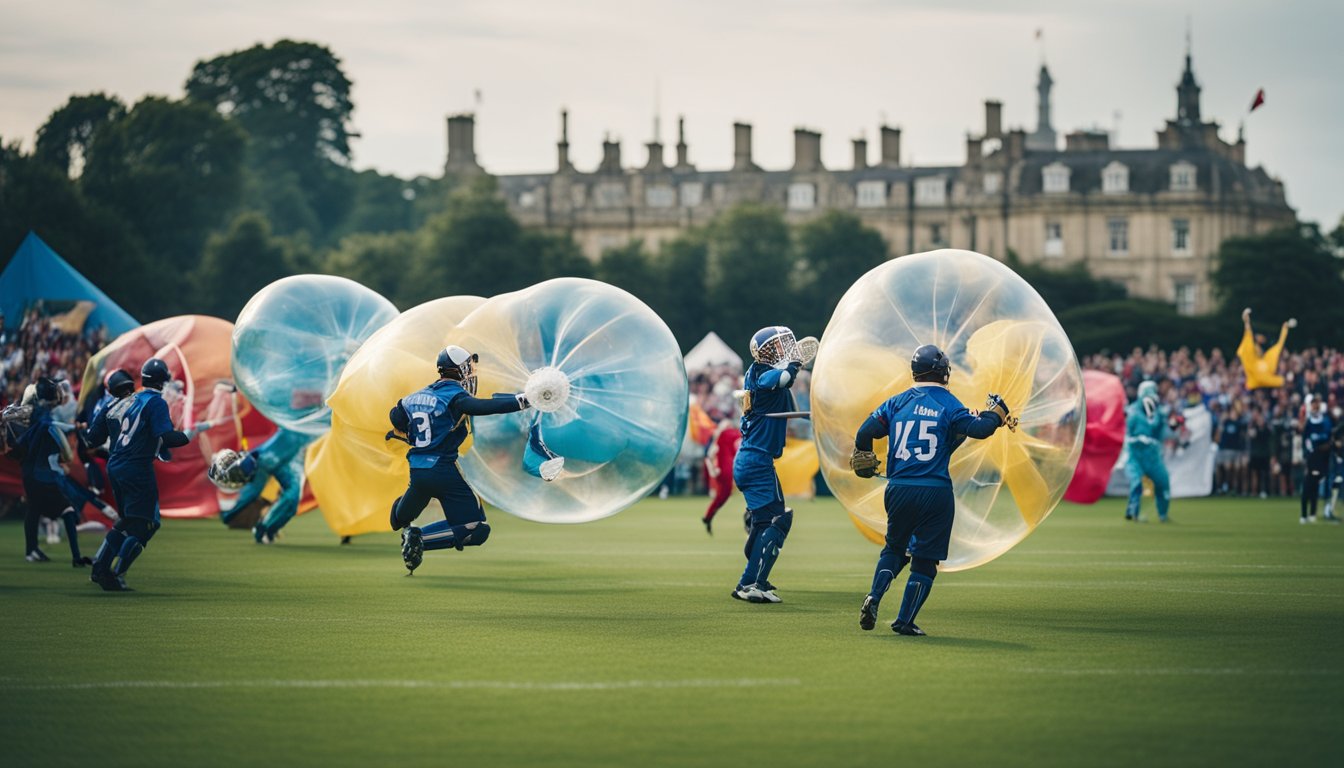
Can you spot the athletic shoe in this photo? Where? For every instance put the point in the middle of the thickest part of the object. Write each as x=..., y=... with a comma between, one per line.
x=1164, y=519
x=53, y=532
x=1311, y=518
x=868, y=614
x=768, y=587
x=906, y=629
x=709, y=525
x=346, y=540
x=37, y=556
x=412, y=548
x=753, y=593
x=82, y=562
x=261, y=535
x=114, y=582
x=1302, y=520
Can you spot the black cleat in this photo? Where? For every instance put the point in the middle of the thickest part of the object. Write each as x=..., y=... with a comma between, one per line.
x=906, y=629
x=81, y=562
x=412, y=549
x=37, y=556
x=709, y=525
x=868, y=614
x=114, y=582
x=346, y=540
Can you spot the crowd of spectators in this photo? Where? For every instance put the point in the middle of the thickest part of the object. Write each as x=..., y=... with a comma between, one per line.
x=1258, y=432
x=38, y=347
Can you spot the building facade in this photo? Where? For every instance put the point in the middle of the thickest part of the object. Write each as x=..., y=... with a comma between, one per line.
x=1149, y=219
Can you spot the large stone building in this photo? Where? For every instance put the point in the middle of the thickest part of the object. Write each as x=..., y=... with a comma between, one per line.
x=1150, y=219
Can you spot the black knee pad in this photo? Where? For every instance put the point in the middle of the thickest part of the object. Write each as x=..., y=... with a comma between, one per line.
x=139, y=527
x=924, y=567
x=477, y=536
x=783, y=523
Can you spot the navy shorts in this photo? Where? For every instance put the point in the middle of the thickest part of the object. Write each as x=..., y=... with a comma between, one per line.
x=919, y=520
x=136, y=490
x=754, y=474
x=443, y=482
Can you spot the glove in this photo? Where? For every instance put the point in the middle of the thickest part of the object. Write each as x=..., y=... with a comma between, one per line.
x=864, y=463
x=522, y=401
x=996, y=405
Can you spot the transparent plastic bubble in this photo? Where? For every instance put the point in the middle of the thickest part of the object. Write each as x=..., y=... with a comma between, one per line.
x=353, y=471
x=619, y=426
x=293, y=338
x=1002, y=338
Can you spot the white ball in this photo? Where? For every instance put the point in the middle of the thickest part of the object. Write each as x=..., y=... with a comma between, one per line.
x=547, y=389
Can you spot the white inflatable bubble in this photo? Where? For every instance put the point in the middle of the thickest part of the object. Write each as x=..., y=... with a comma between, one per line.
x=293, y=338
x=608, y=380
x=1002, y=338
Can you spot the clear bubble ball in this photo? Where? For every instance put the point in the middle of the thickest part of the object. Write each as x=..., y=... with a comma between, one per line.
x=1001, y=338
x=292, y=340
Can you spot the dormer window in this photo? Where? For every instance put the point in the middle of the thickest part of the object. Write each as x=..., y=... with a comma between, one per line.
x=802, y=197
x=1115, y=179
x=1055, y=178
x=993, y=183
x=930, y=191
x=871, y=194
x=1183, y=177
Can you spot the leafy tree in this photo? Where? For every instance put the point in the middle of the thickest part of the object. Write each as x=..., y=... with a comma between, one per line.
x=237, y=263
x=63, y=141
x=629, y=267
x=377, y=260
x=173, y=171
x=834, y=250
x=748, y=272
x=681, y=298
x=1064, y=288
x=382, y=203
x=473, y=247
x=555, y=255
x=1119, y=326
x=1286, y=273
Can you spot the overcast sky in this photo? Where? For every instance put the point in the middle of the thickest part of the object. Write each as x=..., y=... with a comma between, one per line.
x=837, y=67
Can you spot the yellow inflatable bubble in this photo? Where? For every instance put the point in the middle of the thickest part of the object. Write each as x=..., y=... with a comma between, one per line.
x=354, y=473
x=1002, y=338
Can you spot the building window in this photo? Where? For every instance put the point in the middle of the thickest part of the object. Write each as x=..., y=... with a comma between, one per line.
x=527, y=199
x=930, y=191
x=1115, y=179
x=578, y=195
x=1186, y=294
x=609, y=195
x=1054, y=239
x=692, y=193
x=660, y=196
x=1183, y=177
x=1180, y=237
x=993, y=183
x=871, y=194
x=802, y=197
x=936, y=235
x=1117, y=231
x=1055, y=178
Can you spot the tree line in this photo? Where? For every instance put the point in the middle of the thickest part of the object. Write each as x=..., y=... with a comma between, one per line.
x=191, y=205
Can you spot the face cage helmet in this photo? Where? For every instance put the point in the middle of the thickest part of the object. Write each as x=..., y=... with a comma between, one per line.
x=930, y=364
x=458, y=364
x=773, y=344
x=226, y=470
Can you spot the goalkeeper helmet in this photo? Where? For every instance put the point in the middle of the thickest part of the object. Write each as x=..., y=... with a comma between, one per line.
x=154, y=373
x=930, y=364
x=226, y=470
x=458, y=364
x=1148, y=390
x=773, y=344
x=48, y=391
x=119, y=383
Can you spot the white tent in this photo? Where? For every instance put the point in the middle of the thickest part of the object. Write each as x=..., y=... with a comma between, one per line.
x=711, y=351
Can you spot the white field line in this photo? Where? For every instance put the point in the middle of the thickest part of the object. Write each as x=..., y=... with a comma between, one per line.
x=1188, y=564
x=1177, y=672
x=1131, y=585
x=499, y=685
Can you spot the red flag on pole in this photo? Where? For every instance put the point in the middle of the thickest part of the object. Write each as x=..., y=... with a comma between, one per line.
x=1258, y=100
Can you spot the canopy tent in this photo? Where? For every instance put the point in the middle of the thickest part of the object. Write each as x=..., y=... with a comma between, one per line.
x=37, y=272
x=711, y=350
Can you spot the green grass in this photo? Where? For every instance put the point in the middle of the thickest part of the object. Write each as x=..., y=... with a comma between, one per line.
x=1213, y=640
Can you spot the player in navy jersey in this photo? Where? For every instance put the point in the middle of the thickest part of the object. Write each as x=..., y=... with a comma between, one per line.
x=1316, y=445
x=44, y=454
x=435, y=420
x=923, y=426
x=767, y=383
x=139, y=430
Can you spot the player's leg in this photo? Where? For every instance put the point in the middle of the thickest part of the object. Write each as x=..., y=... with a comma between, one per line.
x=116, y=535
x=928, y=547
x=140, y=521
x=463, y=523
x=723, y=489
x=1156, y=469
x=31, y=518
x=285, y=506
x=139, y=530
x=1134, y=470
x=1310, y=490
x=410, y=504
x=900, y=524
x=771, y=523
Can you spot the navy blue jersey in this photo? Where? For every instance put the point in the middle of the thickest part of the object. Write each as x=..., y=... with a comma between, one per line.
x=1316, y=434
x=436, y=430
x=1233, y=435
x=43, y=448
x=136, y=425
x=767, y=392
x=924, y=425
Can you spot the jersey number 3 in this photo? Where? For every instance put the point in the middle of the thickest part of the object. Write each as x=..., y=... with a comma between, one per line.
x=926, y=452
x=424, y=433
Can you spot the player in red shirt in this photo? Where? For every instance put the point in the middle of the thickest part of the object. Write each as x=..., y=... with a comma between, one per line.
x=723, y=447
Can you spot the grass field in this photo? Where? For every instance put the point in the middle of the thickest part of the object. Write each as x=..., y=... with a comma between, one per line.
x=1210, y=641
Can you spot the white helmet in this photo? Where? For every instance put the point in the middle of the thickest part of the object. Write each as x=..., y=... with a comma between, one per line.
x=774, y=343
x=458, y=364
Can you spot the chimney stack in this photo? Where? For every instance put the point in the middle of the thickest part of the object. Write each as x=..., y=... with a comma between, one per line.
x=993, y=119
x=461, y=144
x=562, y=147
x=806, y=151
x=683, y=152
x=742, y=148
x=891, y=147
x=611, y=156
x=860, y=154
x=655, y=164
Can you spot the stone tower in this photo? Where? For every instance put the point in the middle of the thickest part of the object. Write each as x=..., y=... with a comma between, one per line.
x=1043, y=138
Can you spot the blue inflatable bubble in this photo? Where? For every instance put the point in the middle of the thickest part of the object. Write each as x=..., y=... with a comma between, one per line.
x=606, y=377
x=293, y=338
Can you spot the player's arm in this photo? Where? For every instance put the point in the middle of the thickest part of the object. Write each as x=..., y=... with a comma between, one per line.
x=63, y=452
x=986, y=423
x=779, y=378
x=490, y=406
x=252, y=491
x=400, y=418
x=864, y=462
x=162, y=424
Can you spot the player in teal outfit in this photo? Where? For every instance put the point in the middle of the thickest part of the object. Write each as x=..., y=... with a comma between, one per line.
x=280, y=457
x=1147, y=425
